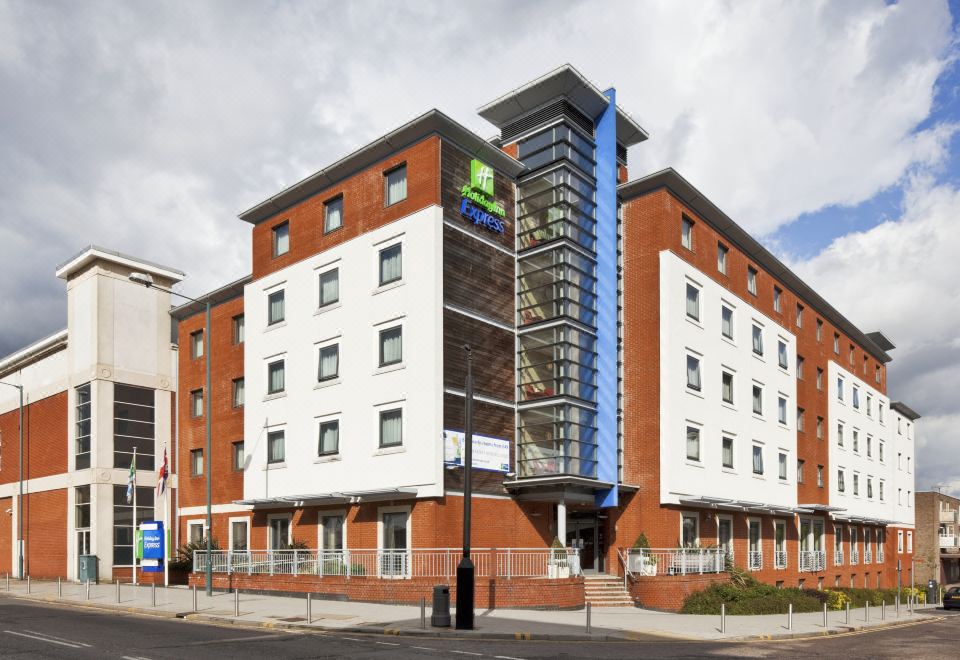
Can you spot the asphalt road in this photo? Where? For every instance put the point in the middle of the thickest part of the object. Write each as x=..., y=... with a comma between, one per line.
x=36, y=630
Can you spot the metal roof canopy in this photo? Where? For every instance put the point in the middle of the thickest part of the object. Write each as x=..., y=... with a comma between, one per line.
x=740, y=505
x=689, y=195
x=216, y=297
x=563, y=82
x=353, y=497
x=432, y=122
x=905, y=410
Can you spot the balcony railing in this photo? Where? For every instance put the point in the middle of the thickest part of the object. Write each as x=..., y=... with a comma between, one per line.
x=675, y=561
x=880, y=555
x=754, y=560
x=780, y=559
x=948, y=515
x=838, y=557
x=868, y=556
x=854, y=556
x=393, y=564
x=948, y=541
x=813, y=560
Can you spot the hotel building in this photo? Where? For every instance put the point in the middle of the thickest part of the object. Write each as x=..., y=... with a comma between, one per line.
x=642, y=366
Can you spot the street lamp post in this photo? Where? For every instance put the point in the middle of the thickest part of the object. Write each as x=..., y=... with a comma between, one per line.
x=147, y=281
x=20, y=495
x=465, y=571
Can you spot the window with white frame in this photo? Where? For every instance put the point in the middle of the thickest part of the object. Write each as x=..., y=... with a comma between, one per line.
x=279, y=531
x=909, y=541
x=238, y=386
x=693, y=302
x=727, y=452
x=757, y=459
x=880, y=451
x=196, y=462
x=752, y=280
x=757, y=340
x=332, y=532
x=333, y=215
x=856, y=484
x=869, y=405
x=777, y=299
x=839, y=434
x=856, y=441
x=726, y=321
x=869, y=487
x=281, y=239
x=395, y=185
x=238, y=329
x=839, y=388
x=722, y=251
x=391, y=264
x=196, y=403
x=693, y=373
x=836, y=343
x=757, y=400
x=686, y=232
x=856, y=397
x=900, y=540
x=689, y=529
x=841, y=482
x=782, y=410
x=693, y=443
x=782, y=354
x=819, y=476
x=782, y=466
x=196, y=344
x=195, y=531
x=329, y=287
x=239, y=534
x=869, y=446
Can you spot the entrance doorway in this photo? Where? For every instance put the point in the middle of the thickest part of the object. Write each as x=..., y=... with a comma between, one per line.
x=585, y=532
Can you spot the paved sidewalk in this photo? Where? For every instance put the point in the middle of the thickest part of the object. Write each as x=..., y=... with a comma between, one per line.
x=607, y=623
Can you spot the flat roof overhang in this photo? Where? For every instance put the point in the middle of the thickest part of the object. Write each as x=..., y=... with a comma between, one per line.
x=563, y=82
x=321, y=499
x=726, y=504
x=566, y=488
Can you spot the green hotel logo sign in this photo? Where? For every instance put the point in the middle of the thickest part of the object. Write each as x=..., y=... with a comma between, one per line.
x=481, y=177
x=476, y=200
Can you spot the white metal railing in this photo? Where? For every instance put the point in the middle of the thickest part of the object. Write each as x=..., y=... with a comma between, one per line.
x=675, y=561
x=419, y=562
x=854, y=556
x=813, y=560
x=754, y=560
x=838, y=557
x=867, y=556
x=880, y=554
x=948, y=541
x=780, y=559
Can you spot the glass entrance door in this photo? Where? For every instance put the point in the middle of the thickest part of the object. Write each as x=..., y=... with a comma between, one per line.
x=585, y=533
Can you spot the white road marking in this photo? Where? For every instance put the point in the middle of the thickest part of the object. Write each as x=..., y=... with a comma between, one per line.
x=386, y=643
x=133, y=657
x=351, y=639
x=423, y=648
x=62, y=639
x=44, y=639
x=465, y=652
x=506, y=657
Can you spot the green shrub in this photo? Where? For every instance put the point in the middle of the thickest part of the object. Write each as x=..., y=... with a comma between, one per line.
x=184, y=558
x=836, y=600
x=745, y=595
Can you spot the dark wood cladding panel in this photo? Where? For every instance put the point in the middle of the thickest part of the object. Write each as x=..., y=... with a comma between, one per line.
x=494, y=364
x=478, y=277
x=454, y=174
x=490, y=420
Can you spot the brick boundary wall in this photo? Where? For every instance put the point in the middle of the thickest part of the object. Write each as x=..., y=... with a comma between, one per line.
x=668, y=593
x=515, y=593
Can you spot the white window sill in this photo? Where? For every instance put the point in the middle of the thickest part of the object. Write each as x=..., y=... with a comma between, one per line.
x=757, y=416
x=327, y=383
x=693, y=392
x=728, y=405
x=276, y=466
x=693, y=321
x=328, y=308
x=387, y=369
x=728, y=340
x=387, y=287
x=386, y=451
x=760, y=477
x=275, y=395
x=727, y=470
x=758, y=357
x=275, y=326
x=331, y=458
x=696, y=464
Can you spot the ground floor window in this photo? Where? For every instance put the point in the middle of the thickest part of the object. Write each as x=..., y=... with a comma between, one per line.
x=394, y=535
x=689, y=529
x=331, y=532
x=239, y=534
x=280, y=532
x=123, y=521
x=195, y=533
x=81, y=522
x=725, y=535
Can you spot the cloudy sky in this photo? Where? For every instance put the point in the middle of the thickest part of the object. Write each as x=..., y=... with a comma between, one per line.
x=828, y=129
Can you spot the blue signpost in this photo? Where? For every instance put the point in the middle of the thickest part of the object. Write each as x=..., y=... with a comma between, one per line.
x=152, y=546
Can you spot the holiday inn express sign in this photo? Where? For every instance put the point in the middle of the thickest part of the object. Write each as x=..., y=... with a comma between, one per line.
x=477, y=203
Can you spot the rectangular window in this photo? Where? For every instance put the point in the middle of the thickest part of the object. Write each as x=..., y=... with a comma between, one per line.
x=880, y=451
x=196, y=403
x=782, y=466
x=238, y=329
x=196, y=462
x=777, y=299
x=909, y=541
x=727, y=389
x=728, y=452
x=856, y=397
x=391, y=264
x=329, y=287
x=238, y=456
x=395, y=182
x=124, y=519
x=757, y=459
x=851, y=353
x=83, y=427
x=391, y=346
x=333, y=215
x=686, y=233
x=238, y=392
x=276, y=376
x=133, y=426
x=799, y=315
x=722, y=251
x=279, y=532
x=281, y=239
x=275, y=308
x=782, y=410
x=329, y=366
x=693, y=302
x=752, y=280
x=869, y=446
x=819, y=330
x=391, y=428
x=819, y=428
x=869, y=488
x=856, y=441
x=757, y=400
x=800, y=367
x=839, y=389
x=329, y=441
x=881, y=490
x=782, y=354
x=799, y=470
x=693, y=373
x=836, y=343
x=819, y=378
x=840, y=434
x=856, y=484
x=276, y=447
x=238, y=535
x=819, y=476
x=331, y=533
x=82, y=508
x=757, y=340
x=726, y=321
x=693, y=443
x=196, y=344
x=880, y=412
x=801, y=422
x=841, y=485
x=876, y=374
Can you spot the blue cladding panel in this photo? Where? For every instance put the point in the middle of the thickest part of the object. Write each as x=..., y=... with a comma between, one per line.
x=606, y=140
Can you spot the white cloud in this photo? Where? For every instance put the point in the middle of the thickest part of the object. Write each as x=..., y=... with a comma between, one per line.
x=901, y=277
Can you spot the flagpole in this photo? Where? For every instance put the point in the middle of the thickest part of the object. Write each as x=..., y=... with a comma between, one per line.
x=166, y=525
x=134, y=466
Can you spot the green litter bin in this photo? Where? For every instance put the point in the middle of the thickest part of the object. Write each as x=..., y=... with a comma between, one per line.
x=87, y=571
